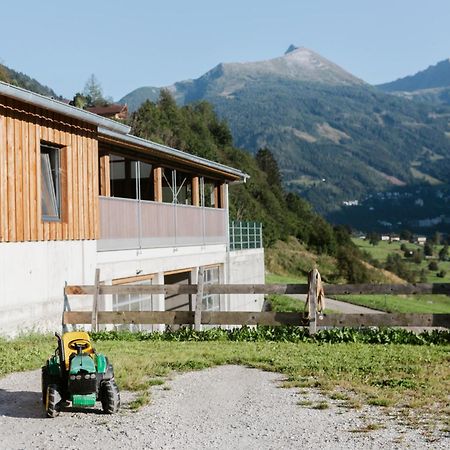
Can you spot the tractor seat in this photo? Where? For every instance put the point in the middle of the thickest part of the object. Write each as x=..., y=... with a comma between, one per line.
x=73, y=336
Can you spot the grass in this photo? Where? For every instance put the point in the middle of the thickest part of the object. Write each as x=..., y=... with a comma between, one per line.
x=320, y=405
x=432, y=304
x=402, y=375
x=272, y=278
x=285, y=303
x=384, y=248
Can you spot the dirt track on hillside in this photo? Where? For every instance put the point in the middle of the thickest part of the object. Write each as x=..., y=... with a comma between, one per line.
x=221, y=408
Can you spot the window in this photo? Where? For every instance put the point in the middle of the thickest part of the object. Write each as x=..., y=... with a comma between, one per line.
x=208, y=193
x=50, y=183
x=211, y=302
x=123, y=177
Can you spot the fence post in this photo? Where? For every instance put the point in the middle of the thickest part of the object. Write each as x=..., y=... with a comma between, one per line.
x=312, y=300
x=199, y=300
x=94, y=321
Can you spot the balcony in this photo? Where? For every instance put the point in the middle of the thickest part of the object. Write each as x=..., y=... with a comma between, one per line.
x=127, y=224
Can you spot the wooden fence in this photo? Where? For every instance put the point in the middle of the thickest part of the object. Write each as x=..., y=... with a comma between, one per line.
x=310, y=318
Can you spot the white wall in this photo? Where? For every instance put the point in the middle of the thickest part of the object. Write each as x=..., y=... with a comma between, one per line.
x=246, y=267
x=33, y=275
x=32, y=278
x=128, y=263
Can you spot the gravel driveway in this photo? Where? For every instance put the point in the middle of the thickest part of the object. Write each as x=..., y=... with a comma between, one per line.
x=340, y=307
x=227, y=407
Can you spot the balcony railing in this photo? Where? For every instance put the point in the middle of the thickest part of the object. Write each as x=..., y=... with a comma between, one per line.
x=245, y=235
x=132, y=224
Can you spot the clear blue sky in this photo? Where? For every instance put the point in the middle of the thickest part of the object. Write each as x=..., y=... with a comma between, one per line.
x=128, y=44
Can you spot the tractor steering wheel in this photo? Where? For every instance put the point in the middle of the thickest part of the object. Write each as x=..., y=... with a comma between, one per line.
x=79, y=343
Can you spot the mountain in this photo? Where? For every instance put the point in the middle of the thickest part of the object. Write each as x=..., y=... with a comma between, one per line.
x=437, y=76
x=335, y=137
x=297, y=64
x=429, y=85
x=24, y=81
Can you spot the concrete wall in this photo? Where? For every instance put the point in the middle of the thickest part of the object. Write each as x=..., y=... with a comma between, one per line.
x=128, y=263
x=32, y=278
x=246, y=267
x=33, y=275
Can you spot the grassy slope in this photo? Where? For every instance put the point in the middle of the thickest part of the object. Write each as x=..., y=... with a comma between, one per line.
x=383, y=249
x=403, y=304
x=389, y=303
x=379, y=374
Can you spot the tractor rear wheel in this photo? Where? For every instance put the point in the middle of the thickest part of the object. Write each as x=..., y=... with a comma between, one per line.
x=52, y=401
x=109, y=396
x=45, y=378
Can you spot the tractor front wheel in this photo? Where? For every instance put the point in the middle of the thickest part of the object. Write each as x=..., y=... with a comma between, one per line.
x=109, y=396
x=52, y=400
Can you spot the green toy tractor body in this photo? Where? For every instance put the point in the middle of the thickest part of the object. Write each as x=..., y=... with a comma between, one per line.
x=77, y=374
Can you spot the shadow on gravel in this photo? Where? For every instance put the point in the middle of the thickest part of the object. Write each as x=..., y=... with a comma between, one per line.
x=28, y=405
x=22, y=404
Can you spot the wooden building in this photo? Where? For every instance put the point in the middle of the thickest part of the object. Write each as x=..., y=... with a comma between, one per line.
x=78, y=192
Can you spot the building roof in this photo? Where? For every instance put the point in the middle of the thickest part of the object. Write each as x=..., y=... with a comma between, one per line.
x=61, y=108
x=115, y=108
x=115, y=131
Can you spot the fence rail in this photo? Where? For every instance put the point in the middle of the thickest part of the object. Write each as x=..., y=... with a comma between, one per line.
x=257, y=318
x=311, y=318
x=330, y=289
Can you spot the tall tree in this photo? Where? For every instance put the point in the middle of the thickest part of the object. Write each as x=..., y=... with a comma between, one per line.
x=267, y=162
x=93, y=92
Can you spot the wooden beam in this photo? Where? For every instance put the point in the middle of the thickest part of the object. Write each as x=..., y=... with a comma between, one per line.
x=195, y=191
x=127, y=317
x=253, y=318
x=199, y=300
x=224, y=195
x=386, y=320
x=330, y=289
x=168, y=289
x=157, y=183
x=394, y=289
x=105, y=176
x=216, y=196
x=258, y=318
x=94, y=317
x=312, y=300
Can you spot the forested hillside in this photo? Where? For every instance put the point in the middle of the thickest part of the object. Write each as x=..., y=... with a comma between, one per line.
x=24, y=81
x=335, y=137
x=196, y=129
x=431, y=85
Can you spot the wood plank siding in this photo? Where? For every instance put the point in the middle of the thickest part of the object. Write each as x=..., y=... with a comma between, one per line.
x=23, y=128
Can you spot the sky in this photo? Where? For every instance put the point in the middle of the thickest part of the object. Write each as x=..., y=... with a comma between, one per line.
x=134, y=43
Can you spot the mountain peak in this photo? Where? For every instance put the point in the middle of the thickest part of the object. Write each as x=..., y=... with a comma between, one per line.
x=290, y=49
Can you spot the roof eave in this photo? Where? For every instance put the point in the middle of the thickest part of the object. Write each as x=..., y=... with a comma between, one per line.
x=229, y=172
x=62, y=108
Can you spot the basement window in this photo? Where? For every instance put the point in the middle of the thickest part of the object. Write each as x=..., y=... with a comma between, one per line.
x=50, y=183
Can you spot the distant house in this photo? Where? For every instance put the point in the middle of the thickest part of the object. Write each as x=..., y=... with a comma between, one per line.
x=385, y=237
x=395, y=238
x=114, y=111
x=421, y=240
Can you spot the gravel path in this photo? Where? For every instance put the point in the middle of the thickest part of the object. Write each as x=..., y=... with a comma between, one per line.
x=341, y=307
x=227, y=407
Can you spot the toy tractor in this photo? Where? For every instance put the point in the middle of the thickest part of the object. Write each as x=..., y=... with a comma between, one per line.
x=76, y=373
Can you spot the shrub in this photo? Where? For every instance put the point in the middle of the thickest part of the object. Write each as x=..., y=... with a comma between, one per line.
x=433, y=266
